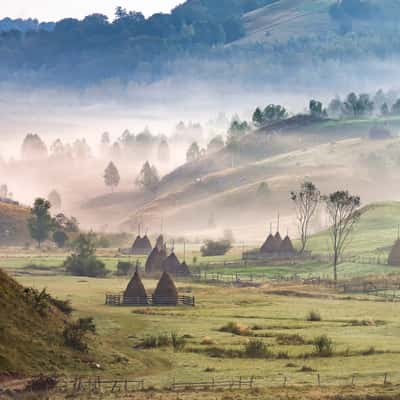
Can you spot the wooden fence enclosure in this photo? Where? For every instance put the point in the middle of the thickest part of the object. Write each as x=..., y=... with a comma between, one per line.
x=213, y=384
x=119, y=299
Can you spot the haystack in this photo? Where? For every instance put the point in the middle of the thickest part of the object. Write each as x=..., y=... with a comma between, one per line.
x=141, y=245
x=278, y=240
x=135, y=292
x=184, y=269
x=287, y=246
x=155, y=260
x=166, y=292
x=269, y=245
x=394, y=256
x=171, y=264
x=160, y=242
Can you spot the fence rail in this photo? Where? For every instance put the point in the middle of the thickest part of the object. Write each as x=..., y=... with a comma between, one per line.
x=213, y=384
x=118, y=299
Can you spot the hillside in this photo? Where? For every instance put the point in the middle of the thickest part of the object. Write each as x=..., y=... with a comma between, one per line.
x=31, y=339
x=229, y=195
x=13, y=224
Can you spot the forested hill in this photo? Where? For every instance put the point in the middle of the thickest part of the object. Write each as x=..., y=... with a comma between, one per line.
x=132, y=47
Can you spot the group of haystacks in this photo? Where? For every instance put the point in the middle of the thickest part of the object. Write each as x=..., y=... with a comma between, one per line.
x=158, y=262
x=164, y=294
x=274, y=245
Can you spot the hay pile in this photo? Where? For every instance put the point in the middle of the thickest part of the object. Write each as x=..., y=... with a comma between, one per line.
x=166, y=292
x=287, y=246
x=135, y=291
x=141, y=246
x=154, y=262
x=394, y=256
x=269, y=245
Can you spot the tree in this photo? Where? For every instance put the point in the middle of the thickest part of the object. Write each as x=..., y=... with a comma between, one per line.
x=358, y=106
x=3, y=191
x=258, y=117
x=343, y=212
x=306, y=201
x=396, y=107
x=384, y=110
x=274, y=112
x=215, y=144
x=215, y=247
x=111, y=176
x=316, y=109
x=193, y=152
x=60, y=238
x=148, y=177
x=54, y=199
x=33, y=147
x=40, y=222
x=83, y=261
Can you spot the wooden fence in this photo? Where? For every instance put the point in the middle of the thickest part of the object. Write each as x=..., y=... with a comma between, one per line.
x=213, y=384
x=118, y=299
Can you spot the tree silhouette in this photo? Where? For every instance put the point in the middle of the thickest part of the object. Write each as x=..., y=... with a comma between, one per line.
x=111, y=176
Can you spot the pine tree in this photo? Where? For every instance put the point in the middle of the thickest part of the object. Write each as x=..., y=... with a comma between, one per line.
x=111, y=176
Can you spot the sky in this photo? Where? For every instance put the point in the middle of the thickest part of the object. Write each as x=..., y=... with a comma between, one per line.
x=53, y=10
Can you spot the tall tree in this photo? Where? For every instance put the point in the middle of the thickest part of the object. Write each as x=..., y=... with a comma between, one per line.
x=54, y=199
x=111, y=176
x=148, y=177
x=343, y=212
x=306, y=201
x=3, y=190
x=40, y=222
x=193, y=152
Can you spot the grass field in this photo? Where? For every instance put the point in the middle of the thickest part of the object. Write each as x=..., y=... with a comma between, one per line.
x=364, y=333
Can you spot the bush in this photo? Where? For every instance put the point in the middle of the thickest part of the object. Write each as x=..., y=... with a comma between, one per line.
x=256, y=348
x=82, y=266
x=178, y=342
x=236, y=329
x=215, y=248
x=75, y=333
x=314, y=316
x=164, y=340
x=287, y=340
x=63, y=305
x=124, y=267
x=323, y=346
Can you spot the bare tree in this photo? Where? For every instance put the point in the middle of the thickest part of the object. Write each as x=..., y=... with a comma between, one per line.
x=343, y=212
x=306, y=201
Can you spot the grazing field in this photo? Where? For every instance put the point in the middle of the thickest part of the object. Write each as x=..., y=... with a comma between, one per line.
x=364, y=334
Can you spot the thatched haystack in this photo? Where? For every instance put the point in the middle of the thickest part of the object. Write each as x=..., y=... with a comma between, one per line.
x=154, y=262
x=394, y=256
x=166, y=292
x=278, y=240
x=184, y=269
x=287, y=246
x=160, y=242
x=135, y=292
x=171, y=264
x=141, y=246
x=269, y=245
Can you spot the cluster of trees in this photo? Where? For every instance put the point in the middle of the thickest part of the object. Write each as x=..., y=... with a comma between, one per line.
x=148, y=178
x=342, y=209
x=41, y=224
x=273, y=112
x=24, y=25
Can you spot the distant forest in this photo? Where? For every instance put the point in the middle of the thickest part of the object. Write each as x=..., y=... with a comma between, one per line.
x=131, y=47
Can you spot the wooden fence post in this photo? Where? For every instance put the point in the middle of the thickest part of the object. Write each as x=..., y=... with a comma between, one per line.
x=319, y=379
x=385, y=380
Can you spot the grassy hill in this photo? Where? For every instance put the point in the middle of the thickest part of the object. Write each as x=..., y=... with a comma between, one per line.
x=31, y=339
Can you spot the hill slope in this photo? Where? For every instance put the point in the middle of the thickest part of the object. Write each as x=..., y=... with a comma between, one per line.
x=31, y=339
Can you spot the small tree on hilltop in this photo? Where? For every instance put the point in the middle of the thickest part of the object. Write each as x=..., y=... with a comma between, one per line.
x=148, y=177
x=40, y=222
x=193, y=152
x=111, y=176
x=258, y=118
x=306, y=201
x=316, y=109
x=343, y=212
x=54, y=199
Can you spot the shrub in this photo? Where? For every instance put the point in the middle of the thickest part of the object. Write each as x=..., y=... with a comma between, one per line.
x=282, y=355
x=207, y=341
x=305, y=368
x=283, y=339
x=323, y=346
x=215, y=248
x=256, y=348
x=75, y=333
x=178, y=342
x=314, y=316
x=82, y=266
x=63, y=305
x=124, y=267
x=236, y=329
x=369, y=352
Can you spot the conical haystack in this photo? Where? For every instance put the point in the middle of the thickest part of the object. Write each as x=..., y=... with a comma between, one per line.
x=155, y=260
x=269, y=245
x=135, y=292
x=141, y=246
x=171, y=264
x=278, y=241
x=160, y=241
x=166, y=293
x=184, y=270
x=394, y=256
x=287, y=246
